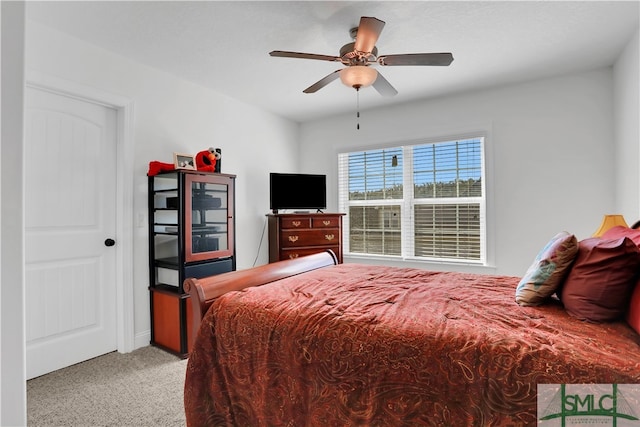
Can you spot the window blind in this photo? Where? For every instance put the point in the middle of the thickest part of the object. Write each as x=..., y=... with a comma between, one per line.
x=415, y=201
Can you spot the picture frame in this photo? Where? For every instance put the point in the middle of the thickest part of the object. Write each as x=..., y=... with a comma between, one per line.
x=184, y=161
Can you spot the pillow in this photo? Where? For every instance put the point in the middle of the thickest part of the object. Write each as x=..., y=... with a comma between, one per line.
x=548, y=270
x=599, y=285
x=633, y=315
x=622, y=231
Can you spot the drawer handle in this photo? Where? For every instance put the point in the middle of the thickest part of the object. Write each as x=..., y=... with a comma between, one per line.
x=296, y=223
x=326, y=222
x=329, y=236
x=293, y=239
x=293, y=256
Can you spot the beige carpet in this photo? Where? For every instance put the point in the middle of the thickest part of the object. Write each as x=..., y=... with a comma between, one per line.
x=141, y=388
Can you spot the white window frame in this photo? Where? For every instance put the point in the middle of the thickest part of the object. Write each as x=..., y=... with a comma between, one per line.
x=407, y=203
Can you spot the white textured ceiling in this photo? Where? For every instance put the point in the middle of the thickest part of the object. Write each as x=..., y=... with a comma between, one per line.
x=224, y=45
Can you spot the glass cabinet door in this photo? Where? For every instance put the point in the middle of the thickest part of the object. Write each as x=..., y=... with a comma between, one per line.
x=208, y=217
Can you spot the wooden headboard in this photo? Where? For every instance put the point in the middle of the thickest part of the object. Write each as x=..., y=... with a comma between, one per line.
x=204, y=291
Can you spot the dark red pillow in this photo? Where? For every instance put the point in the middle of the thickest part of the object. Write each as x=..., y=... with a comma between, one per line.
x=598, y=287
x=621, y=231
x=633, y=315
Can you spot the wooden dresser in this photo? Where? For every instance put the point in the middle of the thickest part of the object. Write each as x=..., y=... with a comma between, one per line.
x=299, y=234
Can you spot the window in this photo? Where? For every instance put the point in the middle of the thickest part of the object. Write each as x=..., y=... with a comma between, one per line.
x=424, y=201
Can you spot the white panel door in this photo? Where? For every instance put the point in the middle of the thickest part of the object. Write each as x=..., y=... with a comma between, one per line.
x=70, y=190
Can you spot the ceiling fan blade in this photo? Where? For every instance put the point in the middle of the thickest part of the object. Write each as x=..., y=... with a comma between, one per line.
x=284, y=54
x=417, y=59
x=368, y=32
x=322, y=82
x=383, y=87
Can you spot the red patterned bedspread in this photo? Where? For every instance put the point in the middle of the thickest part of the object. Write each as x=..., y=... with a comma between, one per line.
x=371, y=345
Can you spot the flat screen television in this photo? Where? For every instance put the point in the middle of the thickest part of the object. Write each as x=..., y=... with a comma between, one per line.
x=297, y=191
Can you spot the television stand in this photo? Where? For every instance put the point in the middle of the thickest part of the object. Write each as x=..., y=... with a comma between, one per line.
x=299, y=234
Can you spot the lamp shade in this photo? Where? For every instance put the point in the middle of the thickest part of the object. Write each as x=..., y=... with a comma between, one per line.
x=608, y=222
x=358, y=76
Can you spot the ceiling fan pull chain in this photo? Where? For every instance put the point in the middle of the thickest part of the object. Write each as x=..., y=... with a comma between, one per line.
x=358, y=108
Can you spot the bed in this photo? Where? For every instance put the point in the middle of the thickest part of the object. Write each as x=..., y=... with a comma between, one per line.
x=309, y=342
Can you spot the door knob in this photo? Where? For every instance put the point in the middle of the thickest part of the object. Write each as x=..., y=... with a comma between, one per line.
x=109, y=242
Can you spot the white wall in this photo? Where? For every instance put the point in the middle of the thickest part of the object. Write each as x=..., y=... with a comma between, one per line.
x=626, y=109
x=551, y=162
x=172, y=115
x=13, y=397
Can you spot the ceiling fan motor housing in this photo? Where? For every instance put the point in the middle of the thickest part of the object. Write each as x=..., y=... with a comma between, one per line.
x=350, y=56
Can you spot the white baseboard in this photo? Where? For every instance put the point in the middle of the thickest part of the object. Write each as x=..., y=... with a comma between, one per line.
x=142, y=339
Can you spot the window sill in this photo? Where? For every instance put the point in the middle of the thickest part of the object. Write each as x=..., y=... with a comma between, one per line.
x=464, y=267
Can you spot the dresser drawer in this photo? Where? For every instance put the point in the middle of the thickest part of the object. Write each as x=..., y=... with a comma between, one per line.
x=333, y=222
x=298, y=252
x=295, y=223
x=309, y=237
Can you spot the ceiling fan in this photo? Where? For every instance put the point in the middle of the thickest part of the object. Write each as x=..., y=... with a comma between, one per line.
x=359, y=55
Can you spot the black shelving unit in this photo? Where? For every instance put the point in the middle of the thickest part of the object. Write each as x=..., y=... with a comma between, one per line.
x=191, y=234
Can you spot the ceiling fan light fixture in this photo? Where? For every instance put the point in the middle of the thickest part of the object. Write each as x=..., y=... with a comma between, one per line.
x=358, y=76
